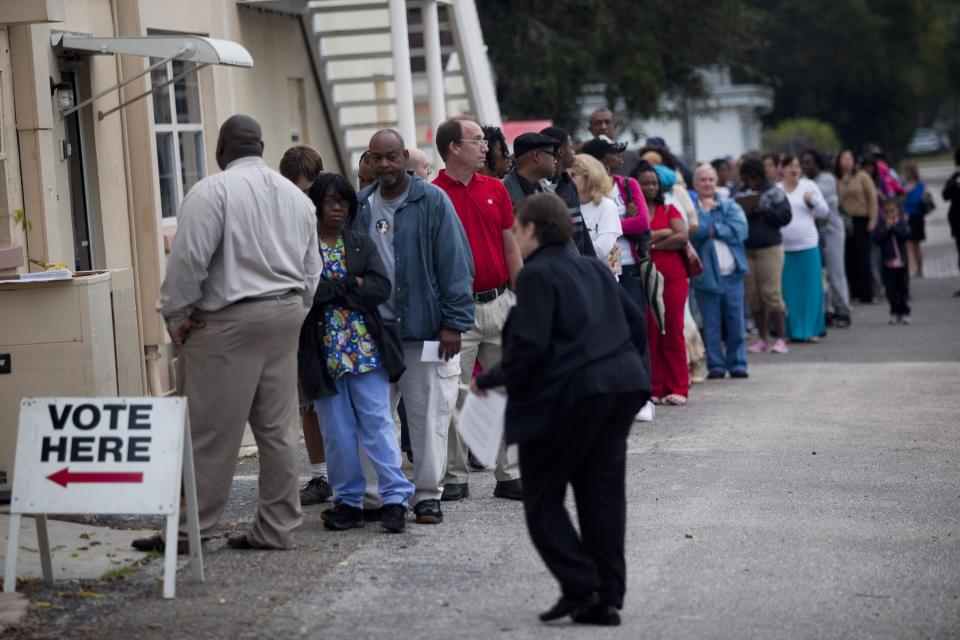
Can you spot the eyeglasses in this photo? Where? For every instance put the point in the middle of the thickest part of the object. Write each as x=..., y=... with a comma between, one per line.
x=480, y=141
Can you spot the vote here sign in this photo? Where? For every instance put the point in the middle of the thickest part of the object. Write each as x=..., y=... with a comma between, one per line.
x=99, y=455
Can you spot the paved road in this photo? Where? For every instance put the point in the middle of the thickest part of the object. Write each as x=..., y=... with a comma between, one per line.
x=818, y=499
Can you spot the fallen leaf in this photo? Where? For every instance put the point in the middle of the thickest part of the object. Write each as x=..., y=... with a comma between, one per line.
x=74, y=555
x=112, y=561
x=85, y=536
x=314, y=549
x=95, y=543
x=222, y=600
x=344, y=563
x=87, y=594
x=30, y=549
x=42, y=605
x=688, y=536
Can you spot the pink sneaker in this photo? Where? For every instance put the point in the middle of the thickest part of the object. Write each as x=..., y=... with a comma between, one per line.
x=758, y=347
x=779, y=346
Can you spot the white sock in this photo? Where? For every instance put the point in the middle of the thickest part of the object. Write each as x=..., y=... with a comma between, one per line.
x=319, y=470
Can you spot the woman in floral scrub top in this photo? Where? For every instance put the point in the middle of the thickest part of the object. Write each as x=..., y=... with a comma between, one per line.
x=348, y=359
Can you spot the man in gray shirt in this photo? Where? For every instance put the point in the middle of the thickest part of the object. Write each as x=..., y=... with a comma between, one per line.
x=244, y=262
x=422, y=242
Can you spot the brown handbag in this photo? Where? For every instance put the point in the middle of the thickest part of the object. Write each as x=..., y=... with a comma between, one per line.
x=691, y=261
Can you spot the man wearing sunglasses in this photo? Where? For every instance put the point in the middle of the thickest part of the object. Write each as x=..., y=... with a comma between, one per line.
x=535, y=159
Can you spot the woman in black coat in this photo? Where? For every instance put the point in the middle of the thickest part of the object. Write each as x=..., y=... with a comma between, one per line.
x=573, y=367
x=347, y=360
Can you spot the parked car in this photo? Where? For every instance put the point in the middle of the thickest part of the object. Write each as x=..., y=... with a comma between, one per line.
x=927, y=141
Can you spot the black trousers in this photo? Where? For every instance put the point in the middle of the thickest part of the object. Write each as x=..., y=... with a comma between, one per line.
x=587, y=449
x=857, y=255
x=896, y=282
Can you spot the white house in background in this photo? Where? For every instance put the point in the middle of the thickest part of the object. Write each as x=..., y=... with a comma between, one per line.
x=726, y=122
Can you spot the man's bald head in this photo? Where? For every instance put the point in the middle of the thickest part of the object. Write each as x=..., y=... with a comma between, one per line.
x=419, y=163
x=240, y=136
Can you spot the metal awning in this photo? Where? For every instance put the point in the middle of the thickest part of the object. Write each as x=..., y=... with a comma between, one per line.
x=197, y=49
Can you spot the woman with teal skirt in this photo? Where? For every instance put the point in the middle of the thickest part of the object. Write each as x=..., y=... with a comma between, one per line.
x=802, y=280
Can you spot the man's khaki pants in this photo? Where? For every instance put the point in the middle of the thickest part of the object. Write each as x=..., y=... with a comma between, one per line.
x=242, y=367
x=481, y=344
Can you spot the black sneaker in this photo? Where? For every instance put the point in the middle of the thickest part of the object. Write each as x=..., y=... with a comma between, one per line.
x=343, y=517
x=428, y=512
x=317, y=490
x=739, y=374
x=716, y=375
x=393, y=518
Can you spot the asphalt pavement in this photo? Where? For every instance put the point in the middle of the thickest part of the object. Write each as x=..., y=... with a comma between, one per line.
x=819, y=498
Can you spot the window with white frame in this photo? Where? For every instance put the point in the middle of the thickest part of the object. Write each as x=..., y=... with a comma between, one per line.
x=179, y=129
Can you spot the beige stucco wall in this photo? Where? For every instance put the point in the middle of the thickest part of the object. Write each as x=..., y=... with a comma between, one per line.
x=123, y=193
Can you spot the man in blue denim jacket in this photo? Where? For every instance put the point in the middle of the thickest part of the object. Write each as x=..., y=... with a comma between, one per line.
x=719, y=242
x=428, y=260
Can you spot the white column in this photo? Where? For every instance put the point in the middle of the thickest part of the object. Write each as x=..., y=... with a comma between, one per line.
x=431, y=39
x=402, y=77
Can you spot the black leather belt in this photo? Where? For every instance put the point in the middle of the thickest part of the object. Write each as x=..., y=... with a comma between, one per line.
x=490, y=294
x=272, y=296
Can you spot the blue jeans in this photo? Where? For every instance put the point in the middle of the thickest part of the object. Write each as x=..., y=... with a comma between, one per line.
x=359, y=415
x=717, y=310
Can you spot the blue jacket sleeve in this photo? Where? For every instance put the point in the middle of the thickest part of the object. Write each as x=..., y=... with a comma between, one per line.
x=703, y=229
x=453, y=264
x=732, y=227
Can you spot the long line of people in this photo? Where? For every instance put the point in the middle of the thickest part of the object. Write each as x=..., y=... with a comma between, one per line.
x=411, y=285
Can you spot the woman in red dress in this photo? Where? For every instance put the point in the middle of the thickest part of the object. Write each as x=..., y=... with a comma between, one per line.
x=668, y=352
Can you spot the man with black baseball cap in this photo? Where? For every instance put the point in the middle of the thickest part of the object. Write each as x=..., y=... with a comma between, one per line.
x=606, y=151
x=535, y=159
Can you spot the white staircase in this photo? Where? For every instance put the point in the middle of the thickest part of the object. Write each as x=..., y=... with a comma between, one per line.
x=354, y=57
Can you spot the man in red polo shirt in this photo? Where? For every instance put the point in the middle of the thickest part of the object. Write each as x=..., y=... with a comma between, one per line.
x=484, y=209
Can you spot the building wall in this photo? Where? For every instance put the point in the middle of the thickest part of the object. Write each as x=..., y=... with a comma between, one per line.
x=124, y=199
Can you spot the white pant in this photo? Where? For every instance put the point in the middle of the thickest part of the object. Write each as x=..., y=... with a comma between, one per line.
x=429, y=391
x=481, y=343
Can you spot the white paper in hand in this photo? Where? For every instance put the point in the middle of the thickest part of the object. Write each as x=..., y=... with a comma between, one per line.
x=431, y=353
x=480, y=424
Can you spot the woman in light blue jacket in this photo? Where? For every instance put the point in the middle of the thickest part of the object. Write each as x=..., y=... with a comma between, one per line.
x=719, y=242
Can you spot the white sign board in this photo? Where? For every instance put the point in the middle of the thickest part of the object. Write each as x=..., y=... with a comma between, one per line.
x=104, y=456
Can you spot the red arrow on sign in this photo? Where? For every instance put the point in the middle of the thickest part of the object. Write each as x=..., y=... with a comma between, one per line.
x=65, y=477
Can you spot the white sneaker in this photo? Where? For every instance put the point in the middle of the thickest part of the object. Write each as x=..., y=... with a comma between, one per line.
x=646, y=413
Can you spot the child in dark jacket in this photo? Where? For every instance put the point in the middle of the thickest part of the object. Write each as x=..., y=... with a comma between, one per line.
x=892, y=234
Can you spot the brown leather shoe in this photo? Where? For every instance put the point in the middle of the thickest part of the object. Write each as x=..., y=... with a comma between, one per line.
x=156, y=543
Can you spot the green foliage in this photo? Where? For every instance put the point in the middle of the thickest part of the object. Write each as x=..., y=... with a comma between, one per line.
x=865, y=66
x=545, y=53
x=797, y=134
x=873, y=69
x=20, y=219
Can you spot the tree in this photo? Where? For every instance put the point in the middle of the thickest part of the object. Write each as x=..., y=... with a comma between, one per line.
x=861, y=65
x=544, y=54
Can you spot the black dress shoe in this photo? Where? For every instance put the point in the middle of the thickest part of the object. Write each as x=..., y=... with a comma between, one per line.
x=716, y=375
x=428, y=512
x=739, y=374
x=455, y=491
x=842, y=322
x=156, y=543
x=600, y=614
x=509, y=489
x=240, y=541
x=567, y=606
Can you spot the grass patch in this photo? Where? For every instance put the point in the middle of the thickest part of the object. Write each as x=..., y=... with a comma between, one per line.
x=120, y=573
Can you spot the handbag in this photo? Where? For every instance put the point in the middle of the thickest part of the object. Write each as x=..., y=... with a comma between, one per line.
x=691, y=261
x=927, y=205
